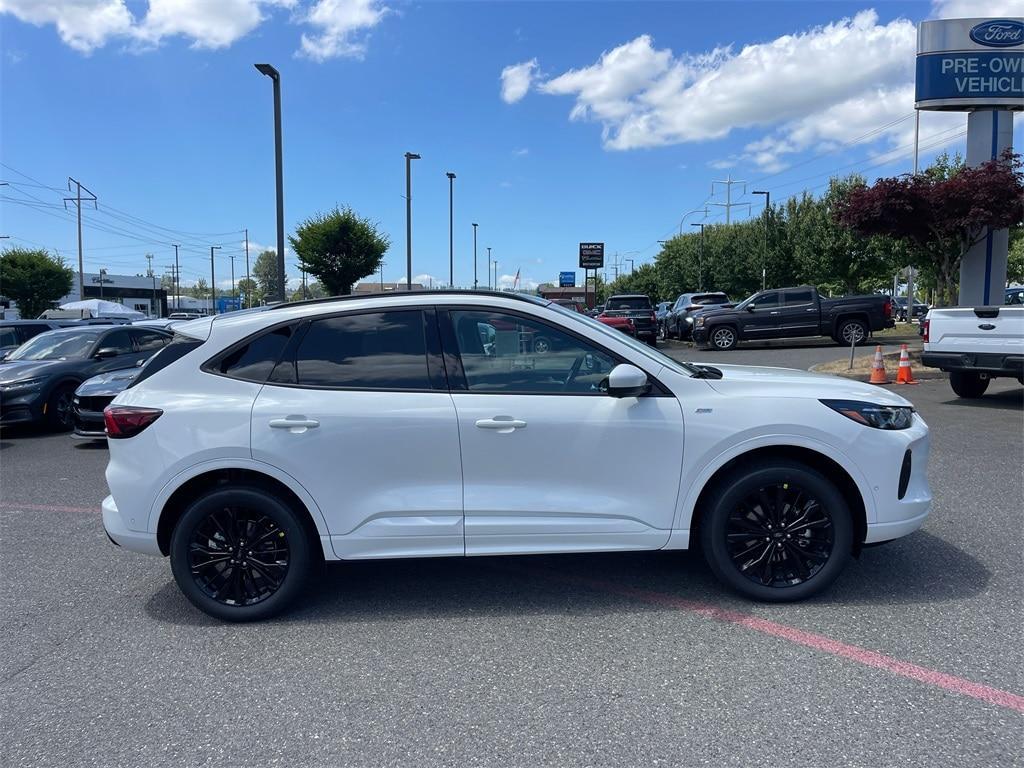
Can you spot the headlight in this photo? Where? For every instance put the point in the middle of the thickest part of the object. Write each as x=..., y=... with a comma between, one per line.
x=698, y=321
x=10, y=386
x=689, y=319
x=874, y=415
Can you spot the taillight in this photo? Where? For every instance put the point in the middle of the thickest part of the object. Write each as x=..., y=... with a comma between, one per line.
x=887, y=309
x=127, y=420
x=924, y=330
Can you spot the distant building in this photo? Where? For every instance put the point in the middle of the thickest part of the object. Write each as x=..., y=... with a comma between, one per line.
x=579, y=293
x=379, y=287
x=137, y=292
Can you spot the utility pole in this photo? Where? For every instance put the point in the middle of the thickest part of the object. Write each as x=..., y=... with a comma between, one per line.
x=700, y=257
x=213, y=282
x=103, y=279
x=177, y=278
x=764, y=256
x=77, y=200
x=174, y=281
x=152, y=276
x=729, y=204
x=474, y=257
x=451, y=229
x=489, y=266
x=409, y=157
x=248, y=280
x=232, y=257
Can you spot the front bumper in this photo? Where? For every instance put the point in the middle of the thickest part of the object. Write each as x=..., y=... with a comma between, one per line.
x=991, y=363
x=21, y=407
x=88, y=421
x=900, y=507
x=119, y=533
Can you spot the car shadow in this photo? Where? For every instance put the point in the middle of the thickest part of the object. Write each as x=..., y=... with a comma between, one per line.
x=922, y=568
x=1007, y=400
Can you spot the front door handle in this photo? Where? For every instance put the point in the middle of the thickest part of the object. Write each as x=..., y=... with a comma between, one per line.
x=294, y=424
x=503, y=424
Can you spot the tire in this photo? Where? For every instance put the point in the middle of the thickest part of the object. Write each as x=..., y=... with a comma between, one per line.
x=541, y=346
x=850, y=328
x=735, y=536
x=722, y=338
x=662, y=332
x=227, y=515
x=60, y=415
x=967, y=384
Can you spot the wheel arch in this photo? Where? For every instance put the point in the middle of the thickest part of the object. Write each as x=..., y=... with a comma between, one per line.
x=176, y=501
x=855, y=314
x=815, y=459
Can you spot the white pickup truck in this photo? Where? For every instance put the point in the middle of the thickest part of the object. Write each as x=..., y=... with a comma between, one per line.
x=975, y=344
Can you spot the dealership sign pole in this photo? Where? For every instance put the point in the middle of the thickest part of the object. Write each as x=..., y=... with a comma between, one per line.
x=976, y=66
x=591, y=257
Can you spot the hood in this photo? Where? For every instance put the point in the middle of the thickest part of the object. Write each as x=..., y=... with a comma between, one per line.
x=112, y=383
x=762, y=381
x=16, y=370
x=717, y=310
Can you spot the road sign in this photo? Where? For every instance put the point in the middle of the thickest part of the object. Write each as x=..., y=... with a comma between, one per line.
x=591, y=255
x=567, y=279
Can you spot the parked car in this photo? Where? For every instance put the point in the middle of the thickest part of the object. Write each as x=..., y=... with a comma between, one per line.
x=184, y=316
x=575, y=306
x=95, y=394
x=975, y=345
x=637, y=308
x=597, y=310
x=900, y=308
x=660, y=313
x=1014, y=296
x=14, y=333
x=793, y=312
x=256, y=445
x=679, y=324
x=38, y=379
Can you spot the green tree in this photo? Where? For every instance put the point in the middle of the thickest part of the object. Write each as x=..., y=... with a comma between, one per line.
x=339, y=247
x=644, y=279
x=248, y=291
x=200, y=289
x=1015, y=260
x=34, y=279
x=264, y=271
x=314, y=290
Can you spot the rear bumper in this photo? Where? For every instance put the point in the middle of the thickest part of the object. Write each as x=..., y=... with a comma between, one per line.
x=991, y=363
x=120, y=534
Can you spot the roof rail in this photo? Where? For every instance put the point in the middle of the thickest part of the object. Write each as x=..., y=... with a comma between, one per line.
x=425, y=292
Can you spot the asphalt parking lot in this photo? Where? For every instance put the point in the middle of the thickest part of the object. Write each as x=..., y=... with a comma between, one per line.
x=913, y=658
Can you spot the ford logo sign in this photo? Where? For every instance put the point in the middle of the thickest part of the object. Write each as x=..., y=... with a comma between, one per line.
x=999, y=33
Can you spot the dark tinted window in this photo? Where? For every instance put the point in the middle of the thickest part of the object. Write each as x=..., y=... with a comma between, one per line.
x=148, y=341
x=378, y=350
x=8, y=337
x=119, y=340
x=710, y=298
x=29, y=331
x=768, y=300
x=802, y=296
x=619, y=303
x=255, y=360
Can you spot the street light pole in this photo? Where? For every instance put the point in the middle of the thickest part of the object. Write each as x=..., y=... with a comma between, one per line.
x=703, y=210
x=700, y=258
x=474, y=257
x=177, y=278
x=489, y=267
x=409, y=157
x=274, y=75
x=764, y=255
x=213, y=282
x=630, y=265
x=451, y=229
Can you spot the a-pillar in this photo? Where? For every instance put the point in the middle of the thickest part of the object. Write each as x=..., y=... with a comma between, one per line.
x=983, y=270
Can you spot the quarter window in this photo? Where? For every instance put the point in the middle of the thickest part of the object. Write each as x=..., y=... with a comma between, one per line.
x=374, y=350
x=149, y=341
x=508, y=354
x=255, y=360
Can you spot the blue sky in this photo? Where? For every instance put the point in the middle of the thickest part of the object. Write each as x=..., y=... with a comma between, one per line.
x=563, y=121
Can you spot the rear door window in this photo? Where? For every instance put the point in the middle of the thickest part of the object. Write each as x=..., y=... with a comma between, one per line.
x=798, y=297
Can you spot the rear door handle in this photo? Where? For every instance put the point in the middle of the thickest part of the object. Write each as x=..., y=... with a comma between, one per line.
x=294, y=424
x=503, y=424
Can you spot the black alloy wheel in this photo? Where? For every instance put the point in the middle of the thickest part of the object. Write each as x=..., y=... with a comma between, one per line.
x=60, y=413
x=240, y=554
x=779, y=532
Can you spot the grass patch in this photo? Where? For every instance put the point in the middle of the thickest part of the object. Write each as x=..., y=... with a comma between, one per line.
x=862, y=366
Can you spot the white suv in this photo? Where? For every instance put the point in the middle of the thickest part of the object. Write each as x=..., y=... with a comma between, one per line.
x=258, y=444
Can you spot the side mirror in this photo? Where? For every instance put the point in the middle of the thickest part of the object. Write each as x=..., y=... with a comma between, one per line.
x=627, y=381
x=750, y=307
x=4, y=354
x=105, y=352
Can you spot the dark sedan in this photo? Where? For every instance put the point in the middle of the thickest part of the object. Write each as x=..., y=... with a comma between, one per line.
x=94, y=395
x=38, y=379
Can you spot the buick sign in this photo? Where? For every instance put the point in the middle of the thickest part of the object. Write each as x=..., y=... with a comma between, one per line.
x=1000, y=33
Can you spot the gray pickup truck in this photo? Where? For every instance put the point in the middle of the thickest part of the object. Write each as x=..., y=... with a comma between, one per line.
x=784, y=313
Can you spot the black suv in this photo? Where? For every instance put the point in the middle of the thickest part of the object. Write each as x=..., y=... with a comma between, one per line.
x=679, y=322
x=638, y=308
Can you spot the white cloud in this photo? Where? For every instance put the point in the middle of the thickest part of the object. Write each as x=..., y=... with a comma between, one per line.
x=525, y=283
x=208, y=24
x=968, y=9
x=522, y=152
x=84, y=25
x=516, y=80
x=341, y=24
x=807, y=81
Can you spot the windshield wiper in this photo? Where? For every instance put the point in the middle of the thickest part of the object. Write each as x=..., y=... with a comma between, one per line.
x=705, y=372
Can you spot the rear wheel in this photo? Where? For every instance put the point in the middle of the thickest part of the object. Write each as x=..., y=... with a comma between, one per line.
x=780, y=532
x=967, y=384
x=240, y=554
x=852, y=332
x=60, y=408
x=541, y=346
x=723, y=337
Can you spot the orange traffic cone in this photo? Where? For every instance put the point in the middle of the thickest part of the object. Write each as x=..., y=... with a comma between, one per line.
x=904, y=375
x=878, y=375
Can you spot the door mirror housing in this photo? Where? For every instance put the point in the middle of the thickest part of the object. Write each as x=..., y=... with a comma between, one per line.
x=627, y=381
x=750, y=307
x=104, y=353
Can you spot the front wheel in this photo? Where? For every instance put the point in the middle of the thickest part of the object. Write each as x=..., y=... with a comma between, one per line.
x=723, y=338
x=60, y=408
x=780, y=532
x=967, y=384
x=240, y=554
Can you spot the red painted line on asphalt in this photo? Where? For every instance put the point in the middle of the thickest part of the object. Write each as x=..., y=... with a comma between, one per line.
x=995, y=696
x=9, y=507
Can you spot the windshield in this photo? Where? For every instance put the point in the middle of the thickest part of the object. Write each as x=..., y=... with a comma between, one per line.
x=619, y=303
x=645, y=349
x=746, y=301
x=711, y=298
x=55, y=346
